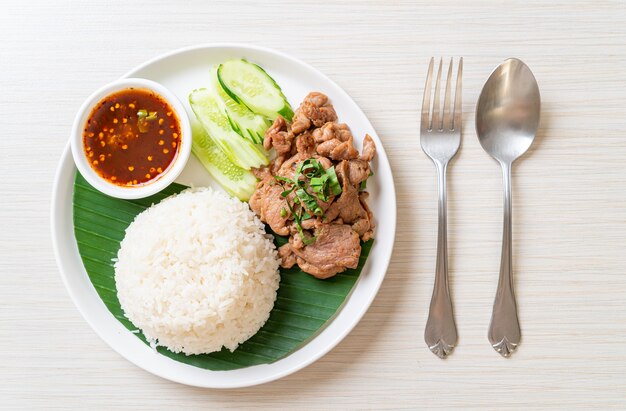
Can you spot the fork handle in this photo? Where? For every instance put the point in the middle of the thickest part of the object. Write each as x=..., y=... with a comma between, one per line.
x=504, y=330
x=440, y=334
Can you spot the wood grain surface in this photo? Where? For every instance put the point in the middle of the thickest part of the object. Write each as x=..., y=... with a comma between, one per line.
x=569, y=200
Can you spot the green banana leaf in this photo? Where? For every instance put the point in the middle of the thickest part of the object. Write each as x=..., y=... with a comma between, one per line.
x=304, y=303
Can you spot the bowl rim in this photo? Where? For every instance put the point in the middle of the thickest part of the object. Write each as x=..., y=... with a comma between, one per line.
x=153, y=186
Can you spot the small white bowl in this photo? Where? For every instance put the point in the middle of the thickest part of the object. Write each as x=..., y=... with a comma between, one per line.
x=153, y=186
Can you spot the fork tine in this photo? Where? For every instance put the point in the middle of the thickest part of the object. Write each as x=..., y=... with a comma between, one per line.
x=436, y=100
x=426, y=101
x=446, y=122
x=458, y=109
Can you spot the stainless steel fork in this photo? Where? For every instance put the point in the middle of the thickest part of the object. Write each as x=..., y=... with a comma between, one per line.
x=440, y=137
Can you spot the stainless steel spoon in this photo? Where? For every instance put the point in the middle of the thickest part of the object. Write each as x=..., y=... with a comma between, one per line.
x=507, y=117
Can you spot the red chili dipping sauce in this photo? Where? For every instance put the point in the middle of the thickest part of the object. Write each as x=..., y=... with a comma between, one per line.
x=131, y=137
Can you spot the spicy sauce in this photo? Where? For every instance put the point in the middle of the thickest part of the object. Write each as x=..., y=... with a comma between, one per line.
x=131, y=137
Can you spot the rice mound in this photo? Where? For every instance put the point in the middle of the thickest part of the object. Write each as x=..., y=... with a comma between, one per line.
x=197, y=272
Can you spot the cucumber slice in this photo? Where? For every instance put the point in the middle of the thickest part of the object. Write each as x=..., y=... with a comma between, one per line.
x=235, y=180
x=250, y=85
x=246, y=123
x=241, y=152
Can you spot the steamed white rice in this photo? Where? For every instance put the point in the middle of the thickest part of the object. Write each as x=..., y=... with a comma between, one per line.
x=197, y=272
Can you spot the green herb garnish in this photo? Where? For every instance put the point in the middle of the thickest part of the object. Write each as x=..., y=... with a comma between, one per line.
x=143, y=117
x=333, y=182
x=322, y=184
x=363, y=185
x=298, y=220
x=309, y=201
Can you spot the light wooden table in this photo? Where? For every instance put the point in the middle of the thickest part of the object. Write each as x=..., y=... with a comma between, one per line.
x=569, y=204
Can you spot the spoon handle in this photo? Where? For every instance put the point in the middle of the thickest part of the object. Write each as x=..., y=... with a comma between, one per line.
x=504, y=330
x=440, y=334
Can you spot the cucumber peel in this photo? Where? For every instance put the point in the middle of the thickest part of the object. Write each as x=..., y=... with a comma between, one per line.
x=239, y=151
x=248, y=84
x=246, y=123
x=235, y=180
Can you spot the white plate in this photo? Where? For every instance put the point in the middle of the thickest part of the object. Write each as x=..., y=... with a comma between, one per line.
x=182, y=71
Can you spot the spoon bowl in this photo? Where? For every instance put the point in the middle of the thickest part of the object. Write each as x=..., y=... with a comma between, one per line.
x=507, y=118
x=507, y=113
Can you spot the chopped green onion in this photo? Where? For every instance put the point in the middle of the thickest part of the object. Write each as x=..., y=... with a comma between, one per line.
x=363, y=185
x=283, y=212
x=309, y=201
x=319, y=185
x=319, y=181
x=335, y=188
x=287, y=192
x=281, y=178
x=297, y=219
x=142, y=119
x=322, y=184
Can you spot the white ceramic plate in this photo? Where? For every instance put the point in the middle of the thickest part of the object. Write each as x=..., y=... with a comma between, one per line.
x=182, y=71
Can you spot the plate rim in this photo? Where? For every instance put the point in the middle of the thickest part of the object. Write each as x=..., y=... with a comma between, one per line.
x=337, y=338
